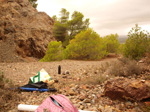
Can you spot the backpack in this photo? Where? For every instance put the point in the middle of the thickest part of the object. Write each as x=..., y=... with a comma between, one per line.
x=57, y=103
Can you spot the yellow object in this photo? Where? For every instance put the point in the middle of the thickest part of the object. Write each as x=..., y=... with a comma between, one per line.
x=44, y=76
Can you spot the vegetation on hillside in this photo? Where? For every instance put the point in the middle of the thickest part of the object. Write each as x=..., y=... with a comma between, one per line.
x=33, y=3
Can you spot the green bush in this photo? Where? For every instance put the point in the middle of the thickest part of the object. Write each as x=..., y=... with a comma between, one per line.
x=112, y=43
x=54, y=52
x=121, y=48
x=137, y=43
x=87, y=45
x=33, y=3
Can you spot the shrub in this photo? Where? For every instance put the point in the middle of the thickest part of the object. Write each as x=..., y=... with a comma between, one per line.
x=54, y=52
x=137, y=43
x=121, y=48
x=112, y=43
x=125, y=67
x=86, y=45
x=96, y=74
x=117, y=69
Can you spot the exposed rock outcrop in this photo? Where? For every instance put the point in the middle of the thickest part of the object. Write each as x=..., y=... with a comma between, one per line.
x=24, y=31
x=124, y=88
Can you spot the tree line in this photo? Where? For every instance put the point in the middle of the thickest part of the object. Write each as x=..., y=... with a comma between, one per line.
x=75, y=40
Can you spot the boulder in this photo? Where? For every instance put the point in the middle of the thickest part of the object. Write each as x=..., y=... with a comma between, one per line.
x=124, y=88
x=24, y=31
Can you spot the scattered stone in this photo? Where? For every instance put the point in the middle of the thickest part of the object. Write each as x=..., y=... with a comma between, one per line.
x=50, y=82
x=147, y=103
x=141, y=61
x=71, y=92
x=100, y=108
x=56, y=81
x=143, y=81
x=66, y=72
x=87, y=100
x=64, y=76
x=81, y=107
x=82, y=97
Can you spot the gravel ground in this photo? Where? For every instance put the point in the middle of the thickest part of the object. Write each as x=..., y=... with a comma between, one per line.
x=20, y=72
x=83, y=95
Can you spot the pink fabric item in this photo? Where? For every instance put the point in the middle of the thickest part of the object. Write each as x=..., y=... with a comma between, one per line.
x=48, y=104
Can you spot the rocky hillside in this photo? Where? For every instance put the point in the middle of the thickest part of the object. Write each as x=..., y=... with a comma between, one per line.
x=24, y=32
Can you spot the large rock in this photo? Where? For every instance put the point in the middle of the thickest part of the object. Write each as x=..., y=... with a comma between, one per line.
x=23, y=30
x=124, y=88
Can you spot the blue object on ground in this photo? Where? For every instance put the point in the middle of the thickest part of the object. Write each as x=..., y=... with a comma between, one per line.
x=34, y=89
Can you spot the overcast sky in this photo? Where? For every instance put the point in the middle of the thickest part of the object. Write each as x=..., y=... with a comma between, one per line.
x=106, y=16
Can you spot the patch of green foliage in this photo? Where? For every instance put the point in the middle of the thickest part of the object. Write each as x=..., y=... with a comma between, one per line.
x=33, y=3
x=137, y=43
x=54, y=52
x=87, y=45
x=121, y=48
x=65, y=29
x=112, y=43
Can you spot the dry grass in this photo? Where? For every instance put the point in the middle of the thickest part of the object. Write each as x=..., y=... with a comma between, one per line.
x=125, y=67
x=147, y=55
x=99, y=75
x=104, y=67
x=95, y=79
x=9, y=98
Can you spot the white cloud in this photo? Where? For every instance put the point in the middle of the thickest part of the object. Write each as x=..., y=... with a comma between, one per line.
x=106, y=16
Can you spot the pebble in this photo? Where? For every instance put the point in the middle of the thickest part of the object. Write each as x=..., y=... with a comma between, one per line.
x=87, y=101
x=85, y=97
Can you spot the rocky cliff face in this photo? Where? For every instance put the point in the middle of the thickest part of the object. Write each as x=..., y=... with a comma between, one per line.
x=24, y=31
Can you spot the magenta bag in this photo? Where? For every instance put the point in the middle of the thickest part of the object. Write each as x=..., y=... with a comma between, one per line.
x=57, y=103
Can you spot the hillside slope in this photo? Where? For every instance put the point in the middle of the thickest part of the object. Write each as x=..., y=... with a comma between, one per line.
x=24, y=32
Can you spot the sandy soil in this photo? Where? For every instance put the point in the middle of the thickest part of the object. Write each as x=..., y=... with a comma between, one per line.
x=20, y=72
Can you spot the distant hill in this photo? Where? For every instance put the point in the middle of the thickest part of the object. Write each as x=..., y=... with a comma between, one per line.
x=122, y=38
